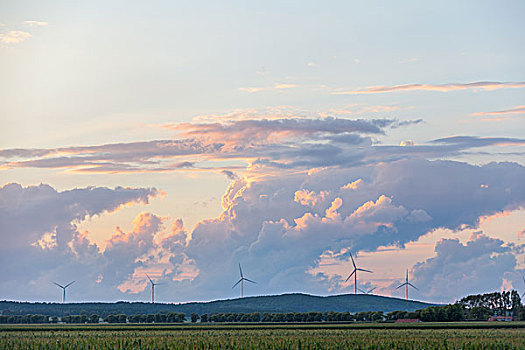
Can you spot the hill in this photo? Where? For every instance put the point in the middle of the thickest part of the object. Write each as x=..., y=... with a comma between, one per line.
x=271, y=303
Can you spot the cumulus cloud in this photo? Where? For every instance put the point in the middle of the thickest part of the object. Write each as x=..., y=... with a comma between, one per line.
x=478, y=266
x=481, y=85
x=41, y=242
x=279, y=228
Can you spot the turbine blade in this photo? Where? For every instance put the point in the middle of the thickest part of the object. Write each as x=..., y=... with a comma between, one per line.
x=70, y=283
x=350, y=276
x=353, y=262
x=239, y=281
x=365, y=270
x=58, y=284
x=149, y=278
x=240, y=270
x=250, y=280
x=404, y=284
x=362, y=291
x=411, y=285
x=371, y=290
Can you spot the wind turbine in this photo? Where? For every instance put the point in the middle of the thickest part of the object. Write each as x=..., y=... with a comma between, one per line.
x=241, y=281
x=523, y=282
x=354, y=273
x=153, y=284
x=64, y=290
x=406, y=284
x=366, y=292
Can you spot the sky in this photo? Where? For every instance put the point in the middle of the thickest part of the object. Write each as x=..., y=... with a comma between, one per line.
x=180, y=139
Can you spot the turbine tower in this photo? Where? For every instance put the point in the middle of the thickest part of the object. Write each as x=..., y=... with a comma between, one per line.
x=241, y=281
x=153, y=284
x=366, y=292
x=64, y=290
x=406, y=284
x=354, y=273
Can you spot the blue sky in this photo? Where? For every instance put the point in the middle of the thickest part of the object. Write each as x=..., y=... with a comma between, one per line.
x=202, y=101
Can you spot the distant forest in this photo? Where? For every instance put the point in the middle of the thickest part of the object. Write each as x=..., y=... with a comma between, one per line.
x=284, y=303
x=473, y=307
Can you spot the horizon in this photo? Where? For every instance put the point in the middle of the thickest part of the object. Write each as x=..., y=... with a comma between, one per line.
x=176, y=141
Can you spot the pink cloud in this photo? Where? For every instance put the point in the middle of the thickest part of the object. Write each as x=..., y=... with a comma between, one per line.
x=310, y=198
x=484, y=86
x=14, y=37
x=515, y=110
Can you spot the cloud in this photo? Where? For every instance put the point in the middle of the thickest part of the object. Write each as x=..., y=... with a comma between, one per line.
x=229, y=174
x=478, y=266
x=265, y=130
x=290, y=222
x=409, y=60
x=148, y=249
x=50, y=210
x=474, y=141
x=41, y=242
x=515, y=110
x=481, y=85
x=36, y=23
x=268, y=140
x=14, y=37
x=248, y=144
x=358, y=108
x=275, y=87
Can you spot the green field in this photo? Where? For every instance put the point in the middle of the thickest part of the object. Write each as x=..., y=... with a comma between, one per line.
x=335, y=336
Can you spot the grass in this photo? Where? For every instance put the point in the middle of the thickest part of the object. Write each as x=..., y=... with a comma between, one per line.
x=263, y=336
x=252, y=326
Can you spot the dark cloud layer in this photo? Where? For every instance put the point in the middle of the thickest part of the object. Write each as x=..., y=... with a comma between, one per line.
x=287, y=143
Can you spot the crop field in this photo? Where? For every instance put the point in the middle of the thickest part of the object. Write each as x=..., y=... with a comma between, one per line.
x=263, y=337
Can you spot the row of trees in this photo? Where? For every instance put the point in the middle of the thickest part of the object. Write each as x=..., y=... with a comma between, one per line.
x=369, y=316
x=228, y=317
x=482, y=306
x=170, y=317
x=448, y=313
x=15, y=319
